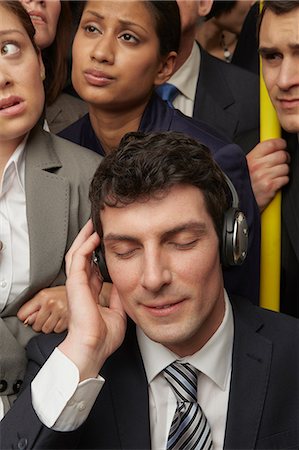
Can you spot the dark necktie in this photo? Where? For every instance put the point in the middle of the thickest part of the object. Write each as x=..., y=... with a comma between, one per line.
x=189, y=429
x=167, y=92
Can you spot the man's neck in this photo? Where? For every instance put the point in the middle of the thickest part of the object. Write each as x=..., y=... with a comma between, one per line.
x=185, y=50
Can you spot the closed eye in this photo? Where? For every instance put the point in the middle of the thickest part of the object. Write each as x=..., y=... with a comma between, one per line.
x=185, y=245
x=127, y=254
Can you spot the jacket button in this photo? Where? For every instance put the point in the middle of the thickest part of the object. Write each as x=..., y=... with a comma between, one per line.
x=17, y=385
x=22, y=444
x=3, y=385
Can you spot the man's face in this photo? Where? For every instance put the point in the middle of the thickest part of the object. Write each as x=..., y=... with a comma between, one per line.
x=163, y=258
x=279, y=48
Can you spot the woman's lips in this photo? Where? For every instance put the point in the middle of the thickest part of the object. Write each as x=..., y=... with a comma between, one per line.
x=37, y=16
x=11, y=106
x=98, y=78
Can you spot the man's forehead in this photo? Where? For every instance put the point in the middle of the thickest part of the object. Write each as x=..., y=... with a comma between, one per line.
x=163, y=212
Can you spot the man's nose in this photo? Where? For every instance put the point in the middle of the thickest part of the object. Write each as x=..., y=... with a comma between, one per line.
x=156, y=271
x=288, y=74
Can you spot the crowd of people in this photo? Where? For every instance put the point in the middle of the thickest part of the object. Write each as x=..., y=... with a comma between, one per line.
x=130, y=215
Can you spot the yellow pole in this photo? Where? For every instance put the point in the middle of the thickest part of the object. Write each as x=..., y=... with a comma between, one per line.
x=271, y=216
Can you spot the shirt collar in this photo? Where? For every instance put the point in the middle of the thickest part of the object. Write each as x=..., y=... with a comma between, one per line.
x=213, y=359
x=185, y=78
x=15, y=165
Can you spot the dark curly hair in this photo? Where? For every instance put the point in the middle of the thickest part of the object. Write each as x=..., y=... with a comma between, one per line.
x=147, y=165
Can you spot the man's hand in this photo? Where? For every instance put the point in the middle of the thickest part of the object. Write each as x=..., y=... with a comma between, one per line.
x=47, y=311
x=94, y=331
x=268, y=165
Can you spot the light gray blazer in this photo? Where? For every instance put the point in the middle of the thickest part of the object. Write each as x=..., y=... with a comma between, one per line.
x=57, y=178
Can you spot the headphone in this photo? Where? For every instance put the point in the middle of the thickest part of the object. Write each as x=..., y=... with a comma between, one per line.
x=234, y=244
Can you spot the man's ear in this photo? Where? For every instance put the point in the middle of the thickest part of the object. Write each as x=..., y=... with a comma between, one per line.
x=166, y=69
x=204, y=7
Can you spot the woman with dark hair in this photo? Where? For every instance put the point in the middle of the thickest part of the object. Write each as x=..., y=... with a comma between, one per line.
x=52, y=21
x=44, y=183
x=122, y=52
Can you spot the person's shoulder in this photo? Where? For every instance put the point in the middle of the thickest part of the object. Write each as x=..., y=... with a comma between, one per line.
x=271, y=324
x=201, y=130
x=79, y=154
x=231, y=71
x=65, y=110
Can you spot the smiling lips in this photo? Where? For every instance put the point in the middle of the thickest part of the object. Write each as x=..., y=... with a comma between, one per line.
x=164, y=310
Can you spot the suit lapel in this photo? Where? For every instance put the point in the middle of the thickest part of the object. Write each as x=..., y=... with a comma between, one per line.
x=47, y=209
x=213, y=97
x=129, y=393
x=250, y=374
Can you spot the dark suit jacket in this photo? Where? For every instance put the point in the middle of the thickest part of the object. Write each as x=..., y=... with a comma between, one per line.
x=158, y=116
x=263, y=408
x=289, y=292
x=227, y=97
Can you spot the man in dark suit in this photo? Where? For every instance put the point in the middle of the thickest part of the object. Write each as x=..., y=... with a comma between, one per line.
x=273, y=170
x=182, y=332
x=221, y=94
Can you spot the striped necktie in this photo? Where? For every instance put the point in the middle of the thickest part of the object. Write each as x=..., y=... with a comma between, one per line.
x=168, y=92
x=189, y=429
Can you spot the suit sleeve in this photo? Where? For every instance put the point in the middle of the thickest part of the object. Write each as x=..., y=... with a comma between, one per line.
x=21, y=427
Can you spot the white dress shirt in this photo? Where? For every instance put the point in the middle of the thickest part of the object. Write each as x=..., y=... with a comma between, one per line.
x=14, y=256
x=14, y=253
x=214, y=363
x=63, y=404
x=185, y=79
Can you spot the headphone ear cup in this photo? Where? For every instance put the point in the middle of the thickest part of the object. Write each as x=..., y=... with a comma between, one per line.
x=101, y=262
x=227, y=241
x=234, y=238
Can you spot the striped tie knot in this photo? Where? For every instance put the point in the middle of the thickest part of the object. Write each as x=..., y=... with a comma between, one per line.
x=183, y=379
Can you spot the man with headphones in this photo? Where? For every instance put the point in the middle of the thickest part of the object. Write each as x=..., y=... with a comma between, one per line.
x=173, y=361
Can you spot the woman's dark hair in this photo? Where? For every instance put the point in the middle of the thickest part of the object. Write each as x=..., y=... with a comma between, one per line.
x=167, y=22
x=277, y=7
x=17, y=9
x=221, y=7
x=147, y=165
x=55, y=57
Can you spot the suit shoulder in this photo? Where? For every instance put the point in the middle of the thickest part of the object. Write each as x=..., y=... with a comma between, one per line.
x=231, y=71
x=77, y=161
